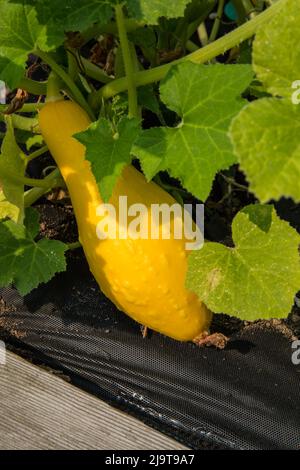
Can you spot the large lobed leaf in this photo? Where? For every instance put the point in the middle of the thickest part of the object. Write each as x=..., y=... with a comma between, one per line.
x=265, y=134
x=266, y=138
x=276, y=51
x=259, y=277
x=206, y=97
x=25, y=262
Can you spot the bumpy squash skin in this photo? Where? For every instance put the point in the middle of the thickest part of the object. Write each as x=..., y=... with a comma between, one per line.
x=144, y=278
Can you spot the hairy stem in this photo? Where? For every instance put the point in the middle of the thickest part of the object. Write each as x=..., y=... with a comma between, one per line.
x=38, y=183
x=53, y=88
x=32, y=86
x=128, y=62
x=95, y=72
x=217, y=22
x=37, y=153
x=26, y=108
x=25, y=123
x=53, y=180
x=72, y=65
x=67, y=80
x=74, y=245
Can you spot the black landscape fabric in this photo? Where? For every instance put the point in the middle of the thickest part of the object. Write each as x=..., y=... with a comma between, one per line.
x=243, y=397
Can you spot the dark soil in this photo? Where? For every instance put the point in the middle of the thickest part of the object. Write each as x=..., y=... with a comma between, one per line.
x=57, y=221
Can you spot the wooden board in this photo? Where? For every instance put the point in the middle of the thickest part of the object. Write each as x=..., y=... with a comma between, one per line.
x=39, y=410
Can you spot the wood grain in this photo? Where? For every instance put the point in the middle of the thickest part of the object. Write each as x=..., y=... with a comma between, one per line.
x=39, y=410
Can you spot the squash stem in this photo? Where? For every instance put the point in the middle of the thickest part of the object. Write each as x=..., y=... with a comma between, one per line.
x=26, y=108
x=217, y=22
x=38, y=183
x=93, y=71
x=53, y=88
x=53, y=180
x=74, y=246
x=67, y=80
x=128, y=62
x=37, y=153
x=23, y=123
x=72, y=65
x=32, y=86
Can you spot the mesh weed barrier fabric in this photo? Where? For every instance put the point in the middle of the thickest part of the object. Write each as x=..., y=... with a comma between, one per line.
x=243, y=397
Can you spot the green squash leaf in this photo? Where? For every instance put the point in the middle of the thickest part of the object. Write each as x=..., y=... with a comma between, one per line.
x=24, y=26
x=266, y=139
x=24, y=262
x=206, y=97
x=150, y=12
x=109, y=150
x=276, y=51
x=259, y=277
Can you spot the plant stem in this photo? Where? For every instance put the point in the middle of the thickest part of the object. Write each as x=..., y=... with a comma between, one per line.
x=234, y=183
x=249, y=8
x=128, y=62
x=220, y=46
x=74, y=245
x=38, y=183
x=32, y=86
x=53, y=88
x=191, y=46
x=53, y=180
x=72, y=65
x=26, y=108
x=67, y=80
x=192, y=27
x=95, y=72
x=217, y=22
x=202, y=34
x=37, y=153
x=25, y=123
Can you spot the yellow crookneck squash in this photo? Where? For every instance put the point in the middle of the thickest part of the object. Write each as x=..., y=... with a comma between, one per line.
x=145, y=278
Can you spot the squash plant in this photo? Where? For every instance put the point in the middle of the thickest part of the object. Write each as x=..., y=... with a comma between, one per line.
x=215, y=100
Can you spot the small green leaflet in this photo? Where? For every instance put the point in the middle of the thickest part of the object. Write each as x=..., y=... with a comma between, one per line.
x=22, y=30
x=265, y=134
x=25, y=262
x=206, y=97
x=109, y=150
x=259, y=277
x=266, y=137
x=12, y=198
x=276, y=51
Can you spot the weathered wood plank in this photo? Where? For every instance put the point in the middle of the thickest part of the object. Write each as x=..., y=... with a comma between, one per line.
x=41, y=411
